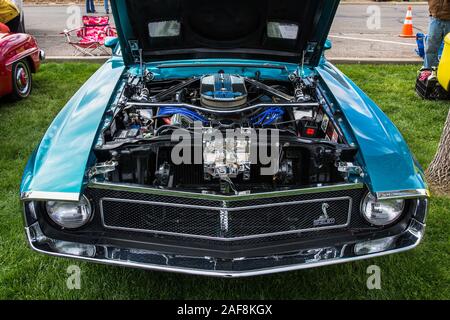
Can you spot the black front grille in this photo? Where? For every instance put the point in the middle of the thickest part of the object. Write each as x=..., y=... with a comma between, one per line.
x=158, y=218
x=229, y=220
x=224, y=222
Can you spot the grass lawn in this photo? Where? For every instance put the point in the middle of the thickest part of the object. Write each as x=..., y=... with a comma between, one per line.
x=423, y=273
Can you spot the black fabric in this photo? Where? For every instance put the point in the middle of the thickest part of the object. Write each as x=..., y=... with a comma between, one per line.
x=431, y=90
x=14, y=24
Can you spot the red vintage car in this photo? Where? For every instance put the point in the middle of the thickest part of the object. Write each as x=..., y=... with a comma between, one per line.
x=20, y=56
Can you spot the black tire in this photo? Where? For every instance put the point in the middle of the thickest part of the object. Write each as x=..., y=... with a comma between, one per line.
x=22, y=80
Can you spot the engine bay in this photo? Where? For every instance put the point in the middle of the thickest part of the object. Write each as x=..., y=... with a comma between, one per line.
x=215, y=134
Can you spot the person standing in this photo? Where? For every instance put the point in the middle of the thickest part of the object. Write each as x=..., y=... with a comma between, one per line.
x=10, y=15
x=106, y=6
x=439, y=27
x=90, y=6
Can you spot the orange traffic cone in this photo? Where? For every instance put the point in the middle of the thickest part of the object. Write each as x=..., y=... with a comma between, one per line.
x=408, y=31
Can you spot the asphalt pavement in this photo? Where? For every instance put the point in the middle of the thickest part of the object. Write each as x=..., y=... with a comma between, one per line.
x=360, y=31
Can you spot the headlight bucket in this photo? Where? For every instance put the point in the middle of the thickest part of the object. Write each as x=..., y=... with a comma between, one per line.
x=381, y=212
x=70, y=215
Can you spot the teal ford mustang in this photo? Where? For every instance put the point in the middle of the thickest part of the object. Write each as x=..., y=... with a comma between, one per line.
x=219, y=141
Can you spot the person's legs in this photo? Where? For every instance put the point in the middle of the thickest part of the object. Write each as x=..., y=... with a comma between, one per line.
x=435, y=37
x=14, y=24
x=90, y=6
x=106, y=6
x=446, y=27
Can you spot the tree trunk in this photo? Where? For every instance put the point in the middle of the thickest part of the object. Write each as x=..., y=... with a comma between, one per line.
x=438, y=174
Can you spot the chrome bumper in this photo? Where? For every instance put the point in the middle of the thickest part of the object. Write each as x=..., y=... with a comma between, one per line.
x=226, y=268
x=41, y=55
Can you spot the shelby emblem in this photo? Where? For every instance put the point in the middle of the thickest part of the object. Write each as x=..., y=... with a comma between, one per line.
x=324, y=219
x=224, y=218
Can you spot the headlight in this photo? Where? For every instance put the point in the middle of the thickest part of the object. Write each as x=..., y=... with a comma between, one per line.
x=70, y=215
x=381, y=212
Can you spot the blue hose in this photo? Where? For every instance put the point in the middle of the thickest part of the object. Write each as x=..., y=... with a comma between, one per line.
x=170, y=111
x=267, y=117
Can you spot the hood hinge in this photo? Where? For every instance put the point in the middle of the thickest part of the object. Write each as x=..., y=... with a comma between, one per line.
x=135, y=50
x=311, y=47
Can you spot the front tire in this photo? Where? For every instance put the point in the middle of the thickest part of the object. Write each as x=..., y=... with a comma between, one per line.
x=21, y=80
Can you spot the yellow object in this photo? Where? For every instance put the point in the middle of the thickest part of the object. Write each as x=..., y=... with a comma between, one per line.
x=444, y=65
x=8, y=11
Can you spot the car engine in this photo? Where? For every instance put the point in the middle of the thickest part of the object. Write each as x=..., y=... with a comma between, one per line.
x=208, y=133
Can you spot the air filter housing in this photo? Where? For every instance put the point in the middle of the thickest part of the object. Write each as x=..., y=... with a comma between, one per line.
x=223, y=91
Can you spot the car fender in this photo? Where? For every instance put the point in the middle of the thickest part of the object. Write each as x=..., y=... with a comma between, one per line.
x=388, y=162
x=17, y=46
x=56, y=169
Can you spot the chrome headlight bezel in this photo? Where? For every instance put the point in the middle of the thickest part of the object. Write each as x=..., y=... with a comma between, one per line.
x=76, y=215
x=391, y=209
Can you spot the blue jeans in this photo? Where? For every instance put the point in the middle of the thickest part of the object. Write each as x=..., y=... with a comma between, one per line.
x=106, y=6
x=90, y=7
x=438, y=29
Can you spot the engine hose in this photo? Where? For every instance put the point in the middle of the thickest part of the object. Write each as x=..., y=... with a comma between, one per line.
x=268, y=116
x=170, y=111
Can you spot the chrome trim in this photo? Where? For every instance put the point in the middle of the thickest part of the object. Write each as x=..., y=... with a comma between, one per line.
x=73, y=196
x=218, y=111
x=194, y=195
x=32, y=208
x=41, y=55
x=21, y=58
x=407, y=240
x=402, y=194
x=218, y=209
x=55, y=196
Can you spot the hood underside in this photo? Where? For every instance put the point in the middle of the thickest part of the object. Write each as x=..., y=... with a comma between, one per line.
x=278, y=30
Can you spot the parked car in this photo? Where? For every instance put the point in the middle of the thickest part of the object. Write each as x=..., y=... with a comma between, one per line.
x=135, y=170
x=20, y=56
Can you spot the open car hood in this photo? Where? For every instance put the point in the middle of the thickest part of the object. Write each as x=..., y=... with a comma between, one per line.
x=275, y=30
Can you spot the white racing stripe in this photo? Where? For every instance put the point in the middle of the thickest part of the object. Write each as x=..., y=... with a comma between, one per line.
x=375, y=40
